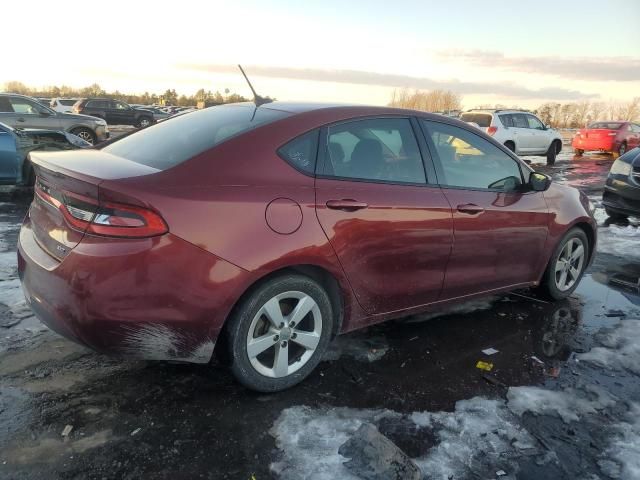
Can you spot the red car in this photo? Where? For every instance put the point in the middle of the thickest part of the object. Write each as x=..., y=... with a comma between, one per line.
x=265, y=231
x=611, y=137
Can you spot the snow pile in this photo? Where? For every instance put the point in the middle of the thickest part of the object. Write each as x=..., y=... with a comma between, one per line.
x=620, y=347
x=622, y=458
x=310, y=439
x=620, y=240
x=569, y=404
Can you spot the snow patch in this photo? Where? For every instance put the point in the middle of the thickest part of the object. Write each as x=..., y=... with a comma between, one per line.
x=622, y=458
x=619, y=240
x=569, y=404
x=619, y=347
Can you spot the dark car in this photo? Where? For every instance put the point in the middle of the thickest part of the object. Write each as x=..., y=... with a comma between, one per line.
x=17, y=143
x=265, y=231
x=621, y=196
x=114, y=112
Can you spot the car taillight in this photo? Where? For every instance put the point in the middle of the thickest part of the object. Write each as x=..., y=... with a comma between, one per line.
x=492, y=130
x=107, y=219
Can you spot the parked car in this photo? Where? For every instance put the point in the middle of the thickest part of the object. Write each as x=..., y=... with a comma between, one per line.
x=519, y=131
x=612, y=137
x=158, y=114
x=621, y=197
x=25, y=112
x=265, y=231
x=16, y=144
x=63, y=105
x=114, y=112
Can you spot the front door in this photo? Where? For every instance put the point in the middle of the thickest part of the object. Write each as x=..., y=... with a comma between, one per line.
x=390, y=228
x=500, y=227
x=539, y=135
x=31, y=114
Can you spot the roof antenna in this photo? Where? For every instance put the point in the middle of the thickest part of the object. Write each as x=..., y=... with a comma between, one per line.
x=257, y=99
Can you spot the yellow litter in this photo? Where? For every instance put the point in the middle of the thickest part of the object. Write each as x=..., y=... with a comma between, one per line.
x=484, y=365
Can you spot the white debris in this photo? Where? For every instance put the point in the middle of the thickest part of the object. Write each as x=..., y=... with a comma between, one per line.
x=490, y=351
x=136, y=431
x=501, y=473
x=67, y=430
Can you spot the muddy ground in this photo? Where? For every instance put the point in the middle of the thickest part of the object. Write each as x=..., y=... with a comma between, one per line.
x=558, y=402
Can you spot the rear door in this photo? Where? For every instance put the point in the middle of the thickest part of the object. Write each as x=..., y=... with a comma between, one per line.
x=499, y=227
x=389, y=225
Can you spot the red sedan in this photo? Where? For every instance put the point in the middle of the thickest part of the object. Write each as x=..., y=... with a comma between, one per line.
x=265, y=231
x=611, y=137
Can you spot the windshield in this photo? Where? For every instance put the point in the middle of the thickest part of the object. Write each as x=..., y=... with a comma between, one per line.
x=168, y=144
x=606, y=125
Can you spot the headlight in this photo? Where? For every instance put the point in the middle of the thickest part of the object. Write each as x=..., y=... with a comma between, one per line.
x=620, y=168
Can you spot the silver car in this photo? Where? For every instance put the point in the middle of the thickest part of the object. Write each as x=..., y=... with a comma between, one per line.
x=20, y=111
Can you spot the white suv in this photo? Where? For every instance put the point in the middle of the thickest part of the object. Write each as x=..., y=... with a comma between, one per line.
x=64, y=105
x=520, y=131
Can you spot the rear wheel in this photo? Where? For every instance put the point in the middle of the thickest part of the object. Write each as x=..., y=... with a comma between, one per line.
x=278, y=334
x=86, y=134
x=578, y=152
x=567, y=265
x=552, y=152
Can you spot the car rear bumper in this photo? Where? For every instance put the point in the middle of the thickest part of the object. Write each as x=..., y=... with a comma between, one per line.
x=156, y=298
x=589, y=144
x=621, y=197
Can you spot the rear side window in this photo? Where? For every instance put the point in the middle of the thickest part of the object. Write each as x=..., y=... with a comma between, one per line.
x=174, y=141
x=507, y=120
x=374, y=149
x=482, y=119
x=301, y=152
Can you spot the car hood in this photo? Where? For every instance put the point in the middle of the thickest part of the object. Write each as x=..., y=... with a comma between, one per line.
x=78, y=116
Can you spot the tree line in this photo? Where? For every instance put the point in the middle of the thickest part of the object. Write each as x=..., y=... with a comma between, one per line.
x=170, y=96
x=558, y=115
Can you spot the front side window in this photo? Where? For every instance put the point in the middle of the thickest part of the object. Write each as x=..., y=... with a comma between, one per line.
x=469, y=161
x=381, y=149
x=121, y=106
x=534, y=123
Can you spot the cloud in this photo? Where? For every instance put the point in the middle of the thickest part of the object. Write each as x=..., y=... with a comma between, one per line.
x=621, y=69
x=360, y=77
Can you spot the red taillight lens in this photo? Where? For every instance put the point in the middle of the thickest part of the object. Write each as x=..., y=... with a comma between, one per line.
x=107, y=218
x=492, y=130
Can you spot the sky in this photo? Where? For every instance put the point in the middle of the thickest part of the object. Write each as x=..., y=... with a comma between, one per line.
x=350, y=51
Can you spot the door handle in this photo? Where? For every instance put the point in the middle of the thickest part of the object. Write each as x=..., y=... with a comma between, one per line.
x=470, y=208
x=347, y=205
x=20, y=119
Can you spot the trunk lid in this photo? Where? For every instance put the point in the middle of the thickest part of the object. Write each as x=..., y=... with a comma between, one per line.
x=69, y=182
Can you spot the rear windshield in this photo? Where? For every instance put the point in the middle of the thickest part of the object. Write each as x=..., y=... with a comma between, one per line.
x=607, y=125
x=482, y=119
x=180, y=138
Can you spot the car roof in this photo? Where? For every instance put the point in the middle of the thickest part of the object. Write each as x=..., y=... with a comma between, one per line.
x=355, y=109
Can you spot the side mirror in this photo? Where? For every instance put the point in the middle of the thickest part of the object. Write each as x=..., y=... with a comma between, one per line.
x=539, y=182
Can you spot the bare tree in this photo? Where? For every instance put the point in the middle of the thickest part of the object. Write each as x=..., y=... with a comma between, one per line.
x=630, y=111
x=433, y=101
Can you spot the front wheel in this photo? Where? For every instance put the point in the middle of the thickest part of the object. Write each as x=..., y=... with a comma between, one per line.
x=278, y=334
x=144, y=122
x=567, y=265
x=86, y=134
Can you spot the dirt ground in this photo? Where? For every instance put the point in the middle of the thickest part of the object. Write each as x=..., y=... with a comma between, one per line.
x=559, y=401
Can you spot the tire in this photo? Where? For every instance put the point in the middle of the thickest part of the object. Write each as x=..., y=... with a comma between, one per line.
x=86, y=134
x=144, y=122
x=615, y=215
x=578, y=152
x=552, y=285
x=552, y=153
x=265, y=313
x=511, y=146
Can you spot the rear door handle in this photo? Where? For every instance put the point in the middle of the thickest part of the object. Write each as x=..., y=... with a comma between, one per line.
x=20, y=119
x=470, y=208
x=347, y=205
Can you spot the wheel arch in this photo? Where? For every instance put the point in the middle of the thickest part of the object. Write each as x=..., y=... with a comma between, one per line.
x=324, y=277
x=591, y=237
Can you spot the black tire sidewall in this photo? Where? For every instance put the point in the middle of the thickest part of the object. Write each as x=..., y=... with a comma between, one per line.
x=242, y=317
x=550, y=282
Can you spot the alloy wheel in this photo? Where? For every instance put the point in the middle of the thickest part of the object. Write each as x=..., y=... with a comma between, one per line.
x=86, y=136
x=144, y=123
x=284, y=334
x=569, y=264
